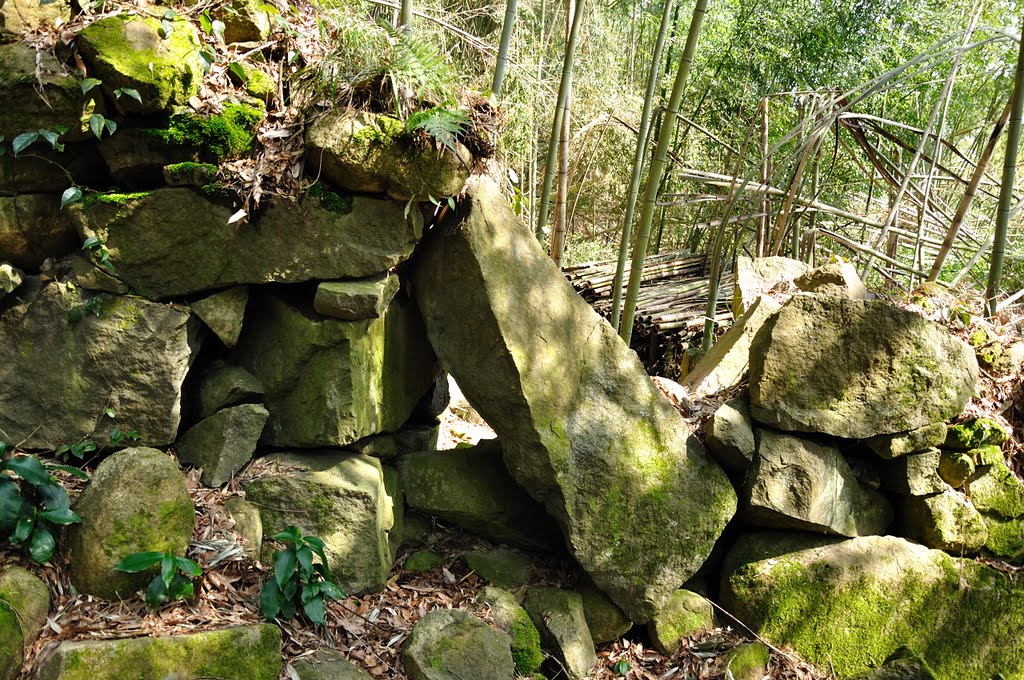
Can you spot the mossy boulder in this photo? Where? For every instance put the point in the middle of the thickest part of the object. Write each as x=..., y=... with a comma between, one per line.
x=975, y=433
x=173, y=242
x=210, y=137
x=227, y=385
x=244, y=21
x=256, y=82
x=223, y=313
x=730, y=435
x=328, y=664
x=1005, y=537
x=189, y=174
x=748, y=661
x=223, y=443
x=25, y=16
x=583, y=429
x=558, y=615
x=330, y=382
x=946, y=521
x=508, y=615
x=62, y=365
x=995, y=489
x=135, y=52
x=848, y=605
x=33, y=228
x=956, y=467
x=59, y=104
x=915, y=474
x=856, y=369
x=902, y=443
x=449, y=644
x=499, y=566
x=903, y=664
x=249, y=652
x=24, y=604
x=118, y=520
x=685, y=615
x=339, y=497
x=837, y=279
x=422, y=560
x=605, y=619
x=372, y=153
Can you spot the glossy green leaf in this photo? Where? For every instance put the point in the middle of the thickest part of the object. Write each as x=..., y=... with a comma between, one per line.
x=156, y=593
x=10, y=504
x=285, y=564
x=270, y=599
x=167, y=569
x=70, y=195
x=131, y=92
x=187, y=566
x=54, y=497
x=61, y=516
x=70, y=469
x=28, y=468
x=291, y=534
x=22, y=141
x=41, y=544
x=139, y=561
x=89, y=83
x=181, y=588
x=26, y=522
x=315, y=610
x=305, y=558
x=331, y=590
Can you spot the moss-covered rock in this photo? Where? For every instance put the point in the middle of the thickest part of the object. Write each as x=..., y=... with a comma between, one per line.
x=449, y=644
x=32, y=228
x=915, y=474
x=946, y=521
x=256, y=82
x=24, y=604
x=354, y=300
x=1005, y=537
x=25, y=16
x=250, y=652
x=975, y=433
x=685, y=615
x=903, y=443
x=730, y=435
x=223, y=313
x=605, y=619
x=372, y=153
x=837, y=279
x=748, y=661
x=45, y=170
x=213, y=137
x=60, y=104
x=248, y=524
x=848, y=605
x=226, y=386
x=513, y=619
x=189, y=174
x=499, y=566
x=340, y=498
x=422, y=560
x=996, y=489
x=223, y=443
x=956, y=467
x=118, y=520
x=558, y=615
x=133, y=52
x=328, y=664
x=903, y=664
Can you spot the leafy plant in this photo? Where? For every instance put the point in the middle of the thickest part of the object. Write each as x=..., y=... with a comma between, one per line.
x=75, y=450
x=298, y=581
x=174, y=582
x=98, y=250
x=33, y=504
x=443, y=125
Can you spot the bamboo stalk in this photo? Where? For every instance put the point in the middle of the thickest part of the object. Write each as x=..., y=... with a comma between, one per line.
x=506, y=39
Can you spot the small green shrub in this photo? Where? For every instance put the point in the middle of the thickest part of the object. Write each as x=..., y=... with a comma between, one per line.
x=174, y=582
x=298, y=581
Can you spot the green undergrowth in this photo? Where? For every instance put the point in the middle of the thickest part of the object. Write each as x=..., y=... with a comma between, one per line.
x=331, y=200
x=218, y=137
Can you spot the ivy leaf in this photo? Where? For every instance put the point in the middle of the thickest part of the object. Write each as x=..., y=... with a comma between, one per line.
x=50, y=136
x=110, y=125
x=236, y=69
x=89, y=83
x=21, y=142
x=131, y=92
x=96, y=124
x=91, y=243
x=218, y=29
x=205, y=23
x=70, y=195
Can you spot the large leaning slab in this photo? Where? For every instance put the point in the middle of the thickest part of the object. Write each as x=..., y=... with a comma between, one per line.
x=173, y=242
x=583, y=429
x=856, y=369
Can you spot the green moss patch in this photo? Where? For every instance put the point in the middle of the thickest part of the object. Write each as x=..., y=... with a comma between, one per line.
x=217, y=137
x=331, y=200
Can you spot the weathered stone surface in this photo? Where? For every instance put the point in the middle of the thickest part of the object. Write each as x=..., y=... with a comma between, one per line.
x=223, y=313
x=46, y=170
x=393, y=488
x=248, y=524
x=956, y=467
x=60, y=105
x=422, y=560
x=172, y=242
x=856, y=369
x=24, y=16
x=223, y=443
x=340, y=498
x=513, y=619
x=58, y=375
x=128, y=51
x=449, y=644
x=798, y=484
x=996, y=489
x=418, y=437
x=558, y=615
x=24, y=604
x=639, y=501
x=328, y=664
x=354, y=300
x=687, y=614
x=136, y=160
x=946, y=521
x=226, y=386
x=605, y=619
x=500, y=566
x=728, y=361
x=848, y=605
x=10, y=278
x=755, y=277
x=371, y=153
x=330, y=382
x=86, y=273
x=1005, y=537
x=730, y=435
x=902, y=443
x=249, y=652
x=838, y=279
x=32, y=228
x=244, y=21
x=916, y=474
x=119, y=518
x=903, y=664
x=748, y=661
x=471, y=488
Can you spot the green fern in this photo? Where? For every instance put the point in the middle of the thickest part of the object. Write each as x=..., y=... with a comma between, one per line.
x=416, y=71
x=444, y=126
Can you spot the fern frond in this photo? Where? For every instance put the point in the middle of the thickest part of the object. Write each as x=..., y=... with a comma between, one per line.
x=443, y=125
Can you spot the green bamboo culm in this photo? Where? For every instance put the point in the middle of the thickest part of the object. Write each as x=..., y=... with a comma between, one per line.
x=638, y=163
x=654, y=173
x=995, y=272
x=405, y=17
x=556, y=126
x=506, y=39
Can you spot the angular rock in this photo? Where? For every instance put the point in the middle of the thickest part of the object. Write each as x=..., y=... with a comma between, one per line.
x=797, y=484
x=639, y=501
x=856, y=369
x=328, y=664
x=513, y=619
x=248, y=652
x=504, y=568
x=248, y=524
x=418, y=437
x=902, y=443
x=129, y=51
x=381, y=446
x=851, y=604
x=244, y=21
x=728, y=361
x=227, y=386
x=223, y=313
x=330, y=382
x=24, y=604
x=354, y=300
x=987, y=455
x=372, y=153
x=10, y=278
x=558, y=615
x=58, y=375
x=975, y=433
x=32, y=228
x=730, y=435
x=118, y=520
x=449, y=644
x=748, y=661
x=996, y=489
x=946, y=521
x=223, y=443
x=838, y=279
x=956, y=467
x=172, y=242
x=60, y=104
x=687, y=614
x=471, y=488
x=754, y=277
x=916, y=474
x=338, y=497
x=85, y=272
x=605, y=619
